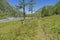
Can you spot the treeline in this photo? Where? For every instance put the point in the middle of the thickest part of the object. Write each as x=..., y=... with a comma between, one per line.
x=48, y=10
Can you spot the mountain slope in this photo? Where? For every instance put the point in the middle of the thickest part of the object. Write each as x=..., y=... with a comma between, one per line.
x=51, y=26
x=48, y=10
x=7, y=10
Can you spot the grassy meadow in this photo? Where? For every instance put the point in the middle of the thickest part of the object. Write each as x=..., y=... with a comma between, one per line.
x=36, y=29
x=51, y=26
x=42, y=21
x=15, y=30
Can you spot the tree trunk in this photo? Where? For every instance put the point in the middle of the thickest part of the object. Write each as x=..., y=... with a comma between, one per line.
x=24, y=10
x=24, y=13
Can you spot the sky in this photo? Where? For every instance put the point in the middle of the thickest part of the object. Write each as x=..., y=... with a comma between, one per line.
x=39, y=3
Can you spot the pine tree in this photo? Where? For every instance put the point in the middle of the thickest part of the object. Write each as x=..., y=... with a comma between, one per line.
x=22, y=5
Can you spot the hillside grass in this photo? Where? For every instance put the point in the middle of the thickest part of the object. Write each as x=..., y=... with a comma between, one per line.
x=2, y=16
x=7, y=30
x=31, y=29
x=15, y=30
x=51, y=26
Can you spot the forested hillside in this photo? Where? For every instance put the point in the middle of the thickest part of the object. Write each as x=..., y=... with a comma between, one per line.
x=48, y=10
x=7, y=10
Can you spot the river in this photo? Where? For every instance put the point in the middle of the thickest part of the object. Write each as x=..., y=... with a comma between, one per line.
x=10, y=19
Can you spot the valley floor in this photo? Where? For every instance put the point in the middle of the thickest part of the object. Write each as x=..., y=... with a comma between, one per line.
x=47, y=28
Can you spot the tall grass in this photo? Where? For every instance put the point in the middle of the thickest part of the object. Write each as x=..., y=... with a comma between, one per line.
x=30, y=30
x=51, y=26
x=14, y=30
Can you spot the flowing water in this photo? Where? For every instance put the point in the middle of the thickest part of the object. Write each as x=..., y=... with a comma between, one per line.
x=10, y=19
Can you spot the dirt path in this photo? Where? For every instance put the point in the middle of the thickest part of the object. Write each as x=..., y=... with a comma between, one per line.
x=42, y=32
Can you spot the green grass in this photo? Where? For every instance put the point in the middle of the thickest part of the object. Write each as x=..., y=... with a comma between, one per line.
x=51, y=26
x=15, y=30
x=7, y=30
x=2, y=17
x=30, y=30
